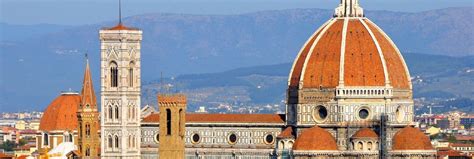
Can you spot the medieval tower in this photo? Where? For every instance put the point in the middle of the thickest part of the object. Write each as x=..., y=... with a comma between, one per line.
x=88, y=119
x=172, y=133
x=120, y=92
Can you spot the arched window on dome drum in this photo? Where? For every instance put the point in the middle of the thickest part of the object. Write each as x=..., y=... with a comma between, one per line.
x=110, y=142
x=168, y=122
x=369, y=146
x=45, y=139
x=70, y=138
x=116, y=141
x=113, y=74
x=116, y=112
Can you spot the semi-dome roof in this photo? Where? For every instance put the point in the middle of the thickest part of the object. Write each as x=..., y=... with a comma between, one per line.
x=365, y=133
x=410, y=138
x=315, y=139
x=349, y=51
x=61, y=113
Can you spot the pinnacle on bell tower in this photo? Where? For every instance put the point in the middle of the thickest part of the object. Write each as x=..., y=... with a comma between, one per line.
x=349, y=8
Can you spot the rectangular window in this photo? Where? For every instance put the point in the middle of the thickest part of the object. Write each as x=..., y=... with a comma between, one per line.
x=168, y=121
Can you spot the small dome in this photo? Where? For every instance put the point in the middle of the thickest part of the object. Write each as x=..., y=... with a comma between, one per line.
x=61, y=113
x=315, y=138
x=365, y=133
x=410, y=138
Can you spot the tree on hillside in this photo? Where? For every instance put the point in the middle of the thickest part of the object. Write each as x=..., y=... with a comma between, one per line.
x=8, y=145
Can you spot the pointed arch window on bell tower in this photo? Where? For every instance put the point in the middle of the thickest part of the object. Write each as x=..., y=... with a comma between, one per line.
x=113, y=74
x=130, y=74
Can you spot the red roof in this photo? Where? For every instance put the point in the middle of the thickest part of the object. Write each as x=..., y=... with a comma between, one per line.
x=451, y=153
x=224, y=118
x=22, y=157
x=120, y=26
x=287, y=133
x=5, y=156
x=465, y=137
x=319, y=62
x=28, y=131
x=315, y=138
x=461, y=145
x=410, y=138
x=61, y=113
x=365, y=133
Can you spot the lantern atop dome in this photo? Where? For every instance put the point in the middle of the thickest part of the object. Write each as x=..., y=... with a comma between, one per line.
x=349, y=8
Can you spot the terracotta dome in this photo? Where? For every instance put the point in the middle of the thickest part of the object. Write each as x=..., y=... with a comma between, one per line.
x=410, y=138
x=61, y=113
x=365, y=133
x=315, y=138
x=350, y=51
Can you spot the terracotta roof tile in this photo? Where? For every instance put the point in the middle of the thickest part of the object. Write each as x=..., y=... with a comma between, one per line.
x=318, y=63
x=61, y=113
x=363, y=66
x=461, y=145
x=410, y=138
x=452, y=153
x=315, y=138
x=395, y=65
x=299, y=62
x=365, y=133
x=322, y=68
x=5, y=156
x=22, y=157
x=120, y=26
x=287, y=133
x=224, y=118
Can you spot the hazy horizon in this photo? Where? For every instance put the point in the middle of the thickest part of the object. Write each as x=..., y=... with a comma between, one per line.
x=79, y=12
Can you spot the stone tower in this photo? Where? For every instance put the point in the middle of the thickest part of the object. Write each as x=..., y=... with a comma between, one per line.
x=88, y=119
x=172, y=126
x=120, y=92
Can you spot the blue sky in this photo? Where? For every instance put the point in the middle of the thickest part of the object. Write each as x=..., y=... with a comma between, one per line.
x=76, y=12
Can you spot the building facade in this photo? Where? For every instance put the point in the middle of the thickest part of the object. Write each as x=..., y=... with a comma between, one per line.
x=120, y=92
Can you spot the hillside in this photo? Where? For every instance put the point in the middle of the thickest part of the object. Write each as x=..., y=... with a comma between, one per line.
x=434, y=76
x=37, y=62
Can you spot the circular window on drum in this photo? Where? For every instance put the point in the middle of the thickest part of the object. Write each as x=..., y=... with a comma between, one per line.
x=195, y=138
x=232, y=139
x=320, y=113
x=364, y=113
x=269, y=139
x=400, y=114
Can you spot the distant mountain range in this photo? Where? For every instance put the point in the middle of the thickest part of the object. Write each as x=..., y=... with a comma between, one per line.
x=39, y=61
